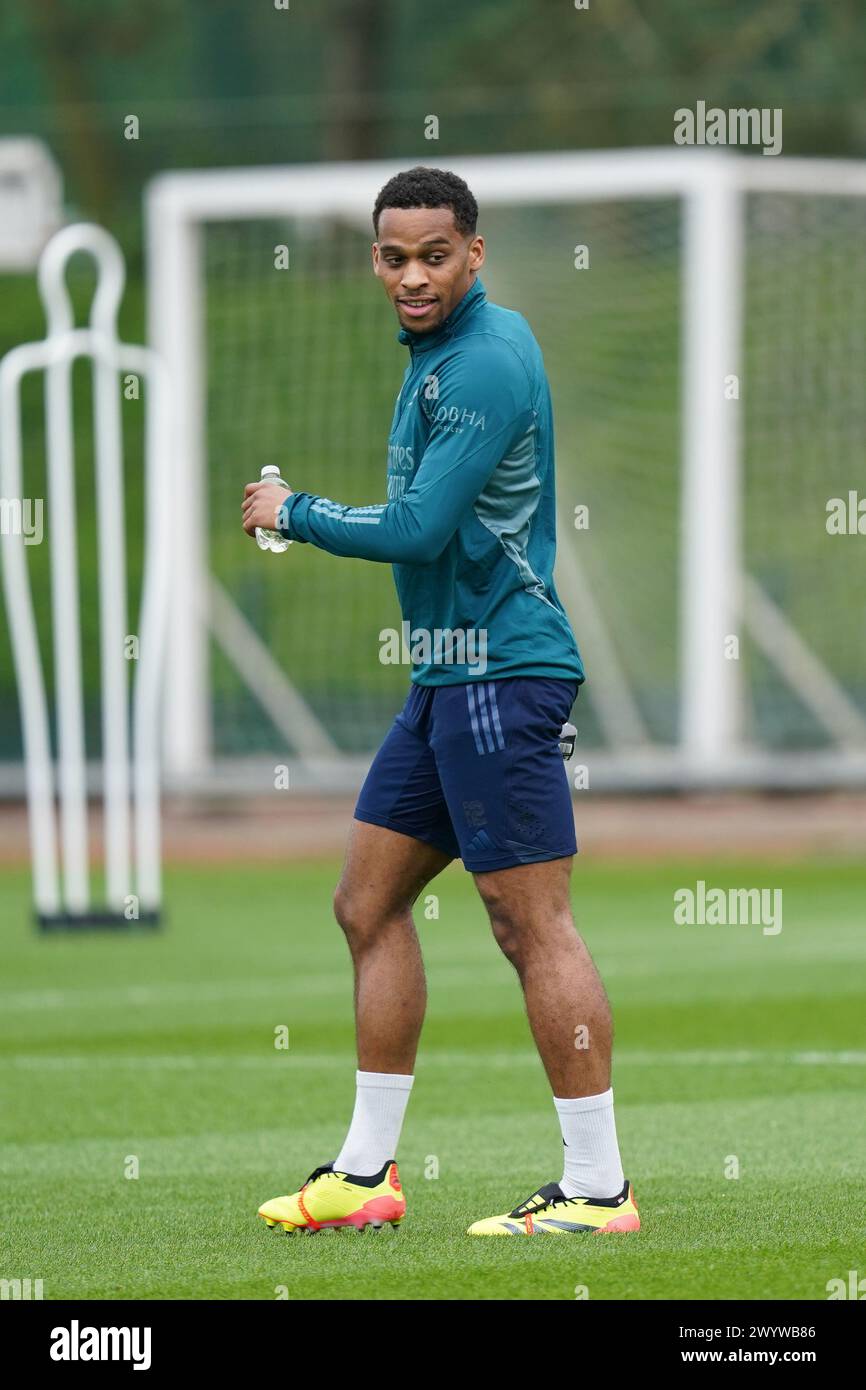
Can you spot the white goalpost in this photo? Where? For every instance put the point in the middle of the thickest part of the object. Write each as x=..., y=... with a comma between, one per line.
x=682, y=360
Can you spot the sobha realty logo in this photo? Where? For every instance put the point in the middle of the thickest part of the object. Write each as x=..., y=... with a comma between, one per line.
x=77, y=1343
x=453, y=419
x=438, y=646
x=737, y=126
x=731, y=907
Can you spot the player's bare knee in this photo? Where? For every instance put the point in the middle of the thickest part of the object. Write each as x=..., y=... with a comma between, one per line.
x=363, y=918
x=351, y=914
x=507, y=934
x=346, y=911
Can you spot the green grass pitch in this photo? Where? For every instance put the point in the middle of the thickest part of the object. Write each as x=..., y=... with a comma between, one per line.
x=729, y=1043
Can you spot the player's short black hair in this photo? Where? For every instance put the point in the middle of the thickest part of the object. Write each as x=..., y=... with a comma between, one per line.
x=429, y=188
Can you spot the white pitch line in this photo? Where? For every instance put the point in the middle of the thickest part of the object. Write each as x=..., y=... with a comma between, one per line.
x=30, y=1001
x=500, y=1060
x=122, y=996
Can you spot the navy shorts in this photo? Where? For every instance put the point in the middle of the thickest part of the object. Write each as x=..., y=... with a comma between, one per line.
x=476, y=771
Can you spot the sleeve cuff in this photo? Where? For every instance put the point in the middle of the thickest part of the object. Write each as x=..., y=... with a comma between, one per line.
x=289, y=513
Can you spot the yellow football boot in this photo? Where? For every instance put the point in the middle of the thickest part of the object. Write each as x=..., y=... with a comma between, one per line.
x=548, y=1213
x=330, y=1201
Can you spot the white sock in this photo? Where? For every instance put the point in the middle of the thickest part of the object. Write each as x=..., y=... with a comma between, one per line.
x=591, y=1152
x=380, y=1104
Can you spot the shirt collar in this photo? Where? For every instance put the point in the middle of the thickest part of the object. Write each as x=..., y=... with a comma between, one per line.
x=421, y=342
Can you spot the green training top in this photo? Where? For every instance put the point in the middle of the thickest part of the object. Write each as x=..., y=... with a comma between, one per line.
x=470, y=521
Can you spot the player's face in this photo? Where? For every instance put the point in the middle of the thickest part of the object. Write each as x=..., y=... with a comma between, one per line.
x=425, y=264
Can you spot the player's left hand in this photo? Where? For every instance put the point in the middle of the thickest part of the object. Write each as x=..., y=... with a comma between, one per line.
x=261, y=505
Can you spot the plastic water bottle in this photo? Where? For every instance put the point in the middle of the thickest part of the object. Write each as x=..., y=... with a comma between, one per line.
x=266, y=539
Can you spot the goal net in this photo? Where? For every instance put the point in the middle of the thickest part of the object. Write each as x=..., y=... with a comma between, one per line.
x=703, y=339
